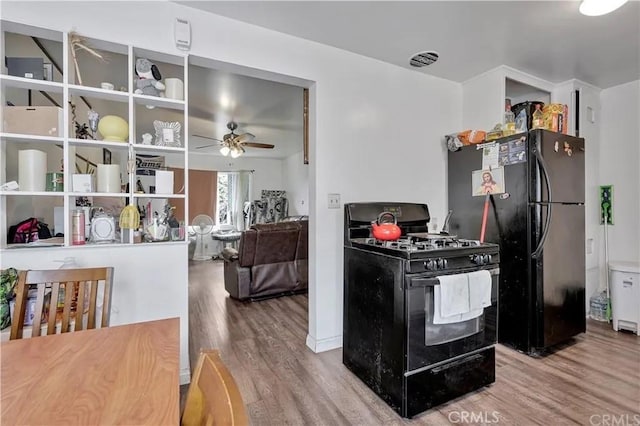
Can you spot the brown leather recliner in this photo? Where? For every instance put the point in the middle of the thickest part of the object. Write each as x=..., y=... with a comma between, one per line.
x=271, y=260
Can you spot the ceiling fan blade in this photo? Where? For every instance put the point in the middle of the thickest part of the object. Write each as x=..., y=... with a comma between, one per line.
x=257, y=145
x=245, y=136
x=207, y=146
x=207, y=137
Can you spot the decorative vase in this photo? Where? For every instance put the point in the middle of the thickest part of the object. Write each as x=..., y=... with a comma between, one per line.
x=113, y=128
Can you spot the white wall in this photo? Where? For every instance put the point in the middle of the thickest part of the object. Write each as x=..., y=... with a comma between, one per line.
x=267, y=171
x=483, y=103
x=590, y=131
x=295, y=178
x=144, y=288
x=620, y=165
x=485, y=94
x=361, y=111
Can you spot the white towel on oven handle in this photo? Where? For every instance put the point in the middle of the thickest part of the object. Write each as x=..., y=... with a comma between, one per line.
x=439, y=319
x=479, y=289
x=454, y=295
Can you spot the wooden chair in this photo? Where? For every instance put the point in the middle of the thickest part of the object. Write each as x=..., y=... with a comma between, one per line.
x=73, y=280
x=213, y=397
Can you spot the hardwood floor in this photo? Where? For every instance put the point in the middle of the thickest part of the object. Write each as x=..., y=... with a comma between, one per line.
x=594, y=381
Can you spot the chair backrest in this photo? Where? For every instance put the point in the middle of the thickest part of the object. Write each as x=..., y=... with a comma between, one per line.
x=213, y=397
x=79, y=286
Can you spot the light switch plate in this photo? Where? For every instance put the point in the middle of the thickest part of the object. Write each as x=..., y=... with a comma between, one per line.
x=334, y=201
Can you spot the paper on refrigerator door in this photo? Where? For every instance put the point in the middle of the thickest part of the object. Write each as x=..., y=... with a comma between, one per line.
x=490, y=156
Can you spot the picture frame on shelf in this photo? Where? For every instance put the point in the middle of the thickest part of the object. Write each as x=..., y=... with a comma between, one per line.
x=106, y=156
x=167, y=133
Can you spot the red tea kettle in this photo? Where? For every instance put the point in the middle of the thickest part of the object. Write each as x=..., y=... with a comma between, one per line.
x=385, y=227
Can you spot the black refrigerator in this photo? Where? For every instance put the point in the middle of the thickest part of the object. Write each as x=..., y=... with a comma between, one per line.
x=537, y=216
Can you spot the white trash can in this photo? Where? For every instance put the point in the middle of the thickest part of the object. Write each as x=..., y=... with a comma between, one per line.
x=624, y=279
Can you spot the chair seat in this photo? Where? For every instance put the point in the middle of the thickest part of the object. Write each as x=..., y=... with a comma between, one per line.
x=213, y=397
x=226, y=236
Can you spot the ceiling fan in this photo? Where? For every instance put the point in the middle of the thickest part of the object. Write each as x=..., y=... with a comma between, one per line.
x=234, y=144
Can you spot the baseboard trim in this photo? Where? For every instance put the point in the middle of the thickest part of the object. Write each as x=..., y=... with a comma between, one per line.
x=322, y=345
x=185, y=376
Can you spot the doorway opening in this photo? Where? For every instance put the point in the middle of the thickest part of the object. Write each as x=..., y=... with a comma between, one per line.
x=264, y=118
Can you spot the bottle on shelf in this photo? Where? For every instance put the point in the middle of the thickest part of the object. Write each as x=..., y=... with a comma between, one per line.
x=77, y=228
x=509, y=125
x=537, y=121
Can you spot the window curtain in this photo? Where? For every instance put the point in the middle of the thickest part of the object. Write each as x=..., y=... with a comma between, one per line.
x=240, y=190
x=202, y=193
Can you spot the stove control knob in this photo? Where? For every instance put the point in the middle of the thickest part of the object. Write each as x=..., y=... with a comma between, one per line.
x=477, y=259
x=487, y=258
x=429, y=264
x=441, y=263
x=445, y=263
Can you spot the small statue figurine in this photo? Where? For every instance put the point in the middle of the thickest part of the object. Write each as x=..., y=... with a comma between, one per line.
x=146, y=138
x=148, y=81
x=82, y=131
x=94, y=117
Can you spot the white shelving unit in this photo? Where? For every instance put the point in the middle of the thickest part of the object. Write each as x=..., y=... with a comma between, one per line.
x=28, y=83
x=16, y=206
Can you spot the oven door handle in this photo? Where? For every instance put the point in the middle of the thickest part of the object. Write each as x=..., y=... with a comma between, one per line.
x=457, y=363
x=433, y=281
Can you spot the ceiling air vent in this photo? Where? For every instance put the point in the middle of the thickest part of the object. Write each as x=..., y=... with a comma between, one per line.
x=423, y=59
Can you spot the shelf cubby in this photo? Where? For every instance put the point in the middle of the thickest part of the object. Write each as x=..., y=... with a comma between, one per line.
x=151, y=149
x=99, y=143
x=83, y=156
x=99, y=93
x=136, y=195
x=10, y=81
x=21, y=138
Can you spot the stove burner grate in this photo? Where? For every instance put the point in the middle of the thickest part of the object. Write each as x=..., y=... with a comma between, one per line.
x=418, y=244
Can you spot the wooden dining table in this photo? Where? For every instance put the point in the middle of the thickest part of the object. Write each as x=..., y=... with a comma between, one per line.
x=127, y=375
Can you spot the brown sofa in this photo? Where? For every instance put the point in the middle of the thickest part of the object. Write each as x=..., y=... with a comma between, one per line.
x=271, y=260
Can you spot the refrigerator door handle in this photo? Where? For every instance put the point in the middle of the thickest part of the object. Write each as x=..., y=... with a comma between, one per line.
x=549, y=205
x=545, y=173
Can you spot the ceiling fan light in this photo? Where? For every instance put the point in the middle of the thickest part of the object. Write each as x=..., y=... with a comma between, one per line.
x=235, y=153
x=599, y=7
x=225, y=150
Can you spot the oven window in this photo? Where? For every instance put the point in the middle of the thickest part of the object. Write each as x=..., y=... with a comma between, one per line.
x=436, y=334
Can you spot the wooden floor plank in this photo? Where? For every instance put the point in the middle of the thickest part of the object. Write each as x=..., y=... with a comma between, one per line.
x=283, y=382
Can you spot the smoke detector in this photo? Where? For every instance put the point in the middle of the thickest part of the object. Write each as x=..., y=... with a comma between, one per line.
x=423, y=59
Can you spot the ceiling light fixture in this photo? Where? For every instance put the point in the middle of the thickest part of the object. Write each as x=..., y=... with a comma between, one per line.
x=235, y=152
x=231, y=146
x=599, y=7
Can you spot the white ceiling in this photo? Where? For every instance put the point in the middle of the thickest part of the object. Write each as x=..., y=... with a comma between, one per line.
x=548, y=39
x=269, y=110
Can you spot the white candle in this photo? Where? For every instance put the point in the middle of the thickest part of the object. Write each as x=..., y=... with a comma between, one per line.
x=109, y=178
x=32, y=170
x=174, y=88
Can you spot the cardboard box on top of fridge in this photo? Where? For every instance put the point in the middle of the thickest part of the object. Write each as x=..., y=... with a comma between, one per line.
x=555, y=118
x=38, y=120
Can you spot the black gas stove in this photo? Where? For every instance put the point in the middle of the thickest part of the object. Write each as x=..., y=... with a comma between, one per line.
x=392, y=340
